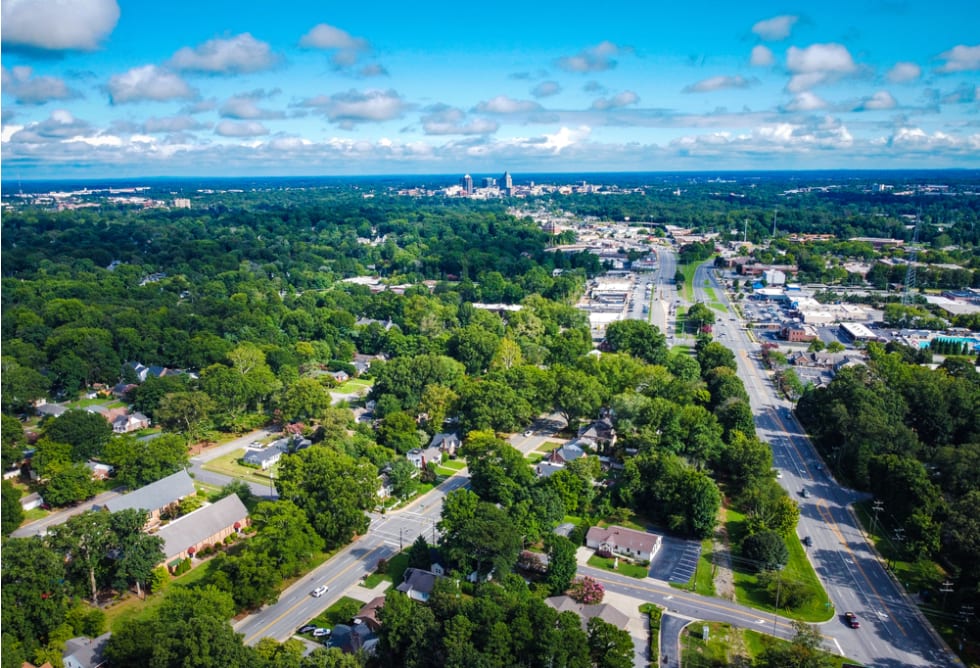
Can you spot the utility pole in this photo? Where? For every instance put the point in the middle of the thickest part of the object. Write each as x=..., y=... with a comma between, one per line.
x=775, y=614
x=946, y=588
x=877, y=506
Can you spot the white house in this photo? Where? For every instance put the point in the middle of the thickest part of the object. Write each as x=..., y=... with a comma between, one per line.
x=622, y=541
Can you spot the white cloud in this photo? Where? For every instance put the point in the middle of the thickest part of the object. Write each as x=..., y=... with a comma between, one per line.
x=623, y=99
x=877, y=102
x=148, y=82
x=776, y=28
x=917, y=139
x=546, y=89
x=28, y=89
x=960, y=58
x=817, y=64
x=805, y=101
x=234, y=55
x=445, y=120
x=904, y=72
x=502, y=104
x=770, y=140
x=240, y=129
x=354, y=107
x=594, y=59
x=348, y=50
x=172, y=124
x=565, y=137
x=60, y=125
x=55, y=25
x=244, y=106
x=718, y=83
x=761, y=56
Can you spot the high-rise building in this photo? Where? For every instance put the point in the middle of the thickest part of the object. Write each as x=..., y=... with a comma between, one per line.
x=508, y=181
x=489, y=182
x=466, y=183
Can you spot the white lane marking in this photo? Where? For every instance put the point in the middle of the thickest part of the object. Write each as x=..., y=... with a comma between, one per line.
x=839, y=650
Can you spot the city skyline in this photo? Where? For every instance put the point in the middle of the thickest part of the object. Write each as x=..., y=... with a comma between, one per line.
x=214, y=89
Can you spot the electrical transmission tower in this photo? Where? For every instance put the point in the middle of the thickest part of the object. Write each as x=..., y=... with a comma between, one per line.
x=910, y=271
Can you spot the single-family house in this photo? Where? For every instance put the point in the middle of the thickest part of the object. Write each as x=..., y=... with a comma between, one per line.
x=603, y=611
x=355, y=637
x=447, y=442
x=568, y=452
x=418, y=584
x=339, y=376
x=368, y=614
x=546, y=469
x=138, y=369
x=600, y=431
x=85, y=652
x=31, y=501
x=120, y=390
x=629, y=543
x=155, y=497
x=263, y=458
x=533, y=562
x=50, y=410
x=205, y=526
x=124, y=424
x=422, y=458
x=99, y=470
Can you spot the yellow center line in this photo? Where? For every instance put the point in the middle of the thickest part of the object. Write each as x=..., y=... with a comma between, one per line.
x=298, y=603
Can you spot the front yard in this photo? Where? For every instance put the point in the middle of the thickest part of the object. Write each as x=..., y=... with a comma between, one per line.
x=228, y=465
x=623, y=567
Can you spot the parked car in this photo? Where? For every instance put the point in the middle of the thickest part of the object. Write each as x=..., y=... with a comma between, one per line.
x=306, y=628
x=852, y=620
x=529, y=432
x=320, y=591
x=805, y=493
x=320, y=632
x=807, y=541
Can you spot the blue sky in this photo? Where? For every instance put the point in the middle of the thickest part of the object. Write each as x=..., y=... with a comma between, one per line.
x=104, y=88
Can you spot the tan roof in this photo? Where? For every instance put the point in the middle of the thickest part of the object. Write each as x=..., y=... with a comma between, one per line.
x=603, y=611
x=621, y=537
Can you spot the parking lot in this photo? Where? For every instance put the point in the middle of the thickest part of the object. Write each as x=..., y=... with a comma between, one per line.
x=677, y=560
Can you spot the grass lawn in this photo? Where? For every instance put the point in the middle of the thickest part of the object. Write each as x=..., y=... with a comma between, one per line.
x=718, y=306
x=228, y=464
x=396, y=568
x=749, y=592
x=34, y=514
x=710, y=291
x=354, y=385
x=445, y=471
x=341, y=612
x=132, y=607
x=725, y=644
x=704, y=573
x=625, y=568
x=454, y=464
x=680, y=321
x=688, y=271
x=535, y=457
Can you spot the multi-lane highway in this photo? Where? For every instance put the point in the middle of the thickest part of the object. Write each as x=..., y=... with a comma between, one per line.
x=893, y=631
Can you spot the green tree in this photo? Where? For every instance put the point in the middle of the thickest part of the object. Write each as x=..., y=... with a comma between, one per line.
x=66, y=484
x=11, y=512
x=86, y=433
x=34, y=593
x=404, y=478
x=609, y=647
x=12, y=441
x=87, y=539
x=251, y=577
x=140, y=462
x=399, y=432
x=639, y=339
x=306, y=399
x=184, y=412
x=479, y=536
x=138, y=552
x=474, y=346
x=698, y=317
x=499, y=473
x=334, y=489
x=711, y=354
x=561, y=563
x=803, y=652
x=765, y=550
x=577, y=394
x=418, y=554
x=285, y=534
x=20, y=386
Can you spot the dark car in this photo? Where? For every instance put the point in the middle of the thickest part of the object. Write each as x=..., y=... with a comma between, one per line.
x=807, y=541
x=852, y=620
x=306, y=628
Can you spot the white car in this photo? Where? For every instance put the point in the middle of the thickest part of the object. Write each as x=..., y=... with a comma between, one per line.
x=529, y=432
x=319, y=591
x=320, y=632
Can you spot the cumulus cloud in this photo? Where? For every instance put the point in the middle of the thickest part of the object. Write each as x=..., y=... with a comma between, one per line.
x=594, y=59
x=347, y=49
x=918, y=140
x=904, y=72
x=776, y=28
x=623, y=99
x=445, y=120
x=770, y=140
x=28, y=89
x=960, y=58
x=60, y=125
x=506, y=105
x=353, y=107
x=240, y=129
x=565, y=137
x=761, y=56
x=244, y=106
x=148, y=82
x=877, y=102
x=546, y=89
x=170, y=124
x=817, y=64
x=718, y=83
x=234, y=55
x=805, y=101
x=54, y=25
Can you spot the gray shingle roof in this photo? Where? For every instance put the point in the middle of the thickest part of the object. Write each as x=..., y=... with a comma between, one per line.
x=603, y=611
x=156, y=495
x=201, y=524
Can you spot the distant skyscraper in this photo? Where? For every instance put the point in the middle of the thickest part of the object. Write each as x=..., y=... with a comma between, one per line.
x=508, y=182
x=467, y=184
x=489, y=182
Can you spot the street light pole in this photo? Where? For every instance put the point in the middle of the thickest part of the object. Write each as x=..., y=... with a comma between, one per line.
x=878, y=505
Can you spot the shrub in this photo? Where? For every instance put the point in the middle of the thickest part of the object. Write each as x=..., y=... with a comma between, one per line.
x=382, y=567
x=231, y=538
x=587, y=591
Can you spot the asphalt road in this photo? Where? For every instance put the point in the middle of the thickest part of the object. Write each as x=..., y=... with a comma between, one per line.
x=893, y=631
